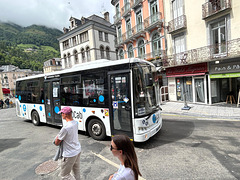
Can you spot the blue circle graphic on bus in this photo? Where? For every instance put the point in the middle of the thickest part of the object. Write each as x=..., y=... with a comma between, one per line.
x=154, y=118
x=94, y=100
x=42, y=101
x=56, y=109
x=84, y=110
x=20, y=98
x=20, y=105
x=34, y=105
x=16, y=96
x=40, y=108
x=24, y=107
x=101, y=98
x=49, y=114
x=23, y=114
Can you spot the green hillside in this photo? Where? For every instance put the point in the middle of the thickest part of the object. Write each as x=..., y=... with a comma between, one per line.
x=28, y=47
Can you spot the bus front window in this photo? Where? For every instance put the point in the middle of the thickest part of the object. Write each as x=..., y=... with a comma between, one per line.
x=145, y=88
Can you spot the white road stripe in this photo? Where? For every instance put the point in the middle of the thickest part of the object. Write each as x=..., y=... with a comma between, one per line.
x=112, y=163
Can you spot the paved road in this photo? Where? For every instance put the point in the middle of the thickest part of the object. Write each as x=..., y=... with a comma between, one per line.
x=185, y=148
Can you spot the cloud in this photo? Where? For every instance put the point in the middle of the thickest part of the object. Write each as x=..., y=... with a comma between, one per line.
x=51, y=13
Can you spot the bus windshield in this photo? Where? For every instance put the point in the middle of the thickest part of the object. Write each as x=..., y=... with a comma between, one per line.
x=145, y=83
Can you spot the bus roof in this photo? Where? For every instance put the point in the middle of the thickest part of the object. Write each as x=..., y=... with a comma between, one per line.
x=90, y=65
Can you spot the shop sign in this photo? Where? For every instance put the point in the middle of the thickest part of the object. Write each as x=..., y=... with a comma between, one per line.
x=228, y=75
x=188, y=69
x=224, y=67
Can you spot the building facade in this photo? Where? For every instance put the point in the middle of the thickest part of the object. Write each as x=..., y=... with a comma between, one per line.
x=140, y=29
x=203, y=54
x=52, y=65
x=9, y=74
x=87, y=39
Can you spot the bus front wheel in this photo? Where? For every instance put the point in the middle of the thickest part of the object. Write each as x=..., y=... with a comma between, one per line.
x=35, y=118
x=96, y=129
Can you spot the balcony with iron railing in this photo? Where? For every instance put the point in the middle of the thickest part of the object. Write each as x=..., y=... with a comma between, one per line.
x=227, y=50
x=126, y=9
x=127, y=35
x=138, y=30
x=215, y=7
x=177, y=24
x=119, y=41
x=153, y=21
x=136, y=4
x=117, y=17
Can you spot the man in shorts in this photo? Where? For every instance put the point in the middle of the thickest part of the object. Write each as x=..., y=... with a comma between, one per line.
x=68, y=135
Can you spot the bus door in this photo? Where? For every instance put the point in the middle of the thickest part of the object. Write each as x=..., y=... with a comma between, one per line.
x=52, y=101
x=120, y=103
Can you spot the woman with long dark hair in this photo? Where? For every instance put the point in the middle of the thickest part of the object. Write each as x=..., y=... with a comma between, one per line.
x=122, y=147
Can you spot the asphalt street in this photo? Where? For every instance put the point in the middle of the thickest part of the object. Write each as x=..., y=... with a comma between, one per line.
x=185, y=148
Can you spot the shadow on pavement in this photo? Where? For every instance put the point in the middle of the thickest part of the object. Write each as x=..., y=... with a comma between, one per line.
x=171, y=131
x=9, y=143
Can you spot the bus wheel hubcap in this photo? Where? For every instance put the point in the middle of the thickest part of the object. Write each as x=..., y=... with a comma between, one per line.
x=96, y=129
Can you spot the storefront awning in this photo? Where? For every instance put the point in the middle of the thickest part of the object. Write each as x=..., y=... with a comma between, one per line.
x=227, y=75
x=180, y=75
x=6, y=91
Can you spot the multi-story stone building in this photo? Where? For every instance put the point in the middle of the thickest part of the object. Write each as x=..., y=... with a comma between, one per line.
x=51, y=65
x=140, y=30
x=203, y=41
x=9, y=74
x=87, y=39
x=139, y=26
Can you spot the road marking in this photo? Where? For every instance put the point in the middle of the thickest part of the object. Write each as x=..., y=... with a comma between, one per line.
x=201, y=118
x=112, y=163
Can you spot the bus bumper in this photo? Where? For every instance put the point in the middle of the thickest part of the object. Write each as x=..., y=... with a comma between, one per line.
x=147, y=135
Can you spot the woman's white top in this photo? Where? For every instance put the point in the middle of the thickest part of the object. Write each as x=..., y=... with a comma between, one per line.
x=124, y=174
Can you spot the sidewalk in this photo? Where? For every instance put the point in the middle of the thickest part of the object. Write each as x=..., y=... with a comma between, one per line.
x=202, y=110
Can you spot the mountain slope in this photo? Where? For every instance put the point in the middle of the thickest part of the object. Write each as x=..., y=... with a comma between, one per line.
x=14, y=40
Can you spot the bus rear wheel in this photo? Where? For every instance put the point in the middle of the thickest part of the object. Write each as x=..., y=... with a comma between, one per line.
x=96, y=129
x=35, y=118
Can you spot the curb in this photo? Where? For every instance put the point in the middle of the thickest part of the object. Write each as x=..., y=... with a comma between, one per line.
x=203, y=117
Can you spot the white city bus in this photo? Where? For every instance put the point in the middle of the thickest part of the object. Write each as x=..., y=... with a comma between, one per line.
x=107, y=98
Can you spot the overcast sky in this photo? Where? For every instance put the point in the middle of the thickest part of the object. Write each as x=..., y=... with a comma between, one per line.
x=51, y=13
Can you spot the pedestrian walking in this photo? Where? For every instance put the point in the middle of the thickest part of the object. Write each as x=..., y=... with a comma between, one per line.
x=122, y=147
x=1, y=103
x=68, y=135
x=7, y=102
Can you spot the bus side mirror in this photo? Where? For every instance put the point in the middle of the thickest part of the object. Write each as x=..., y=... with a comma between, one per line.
x=148, y=79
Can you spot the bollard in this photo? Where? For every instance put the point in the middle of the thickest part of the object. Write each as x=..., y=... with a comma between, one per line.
x=186, y=107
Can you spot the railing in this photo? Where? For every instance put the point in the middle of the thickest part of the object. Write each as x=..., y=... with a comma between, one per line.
x=177, y=24
x=230, y=49
x=163, y=94
x=158, y=54
x=135, y=3
x=153, y=19
x=210, y=8
x=137, y=29
x=117, y=17
x=125, y=9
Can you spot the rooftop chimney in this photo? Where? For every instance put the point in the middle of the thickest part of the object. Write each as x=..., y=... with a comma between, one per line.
x=106, y=16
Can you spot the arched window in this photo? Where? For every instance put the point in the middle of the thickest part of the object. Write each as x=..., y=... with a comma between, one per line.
x=76, y=56
x=141, y=49
x=88, y=54
x=121, y=54
x=156, y=45
x=108, y=52
x=69, y=60
x=130, y=51
x=102, y=52
x=83, y=55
